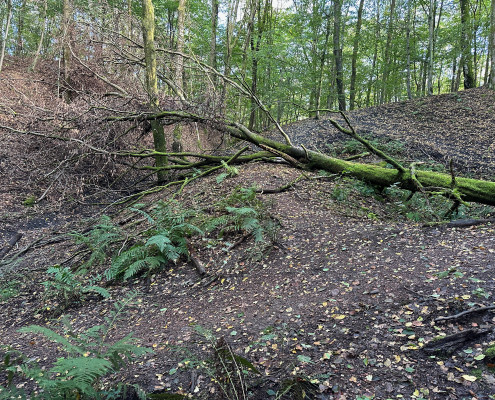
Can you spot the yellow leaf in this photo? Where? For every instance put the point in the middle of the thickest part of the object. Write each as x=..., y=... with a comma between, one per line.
x=469, y=378
x=353, y=379
x=397, y=358
x=338, y=316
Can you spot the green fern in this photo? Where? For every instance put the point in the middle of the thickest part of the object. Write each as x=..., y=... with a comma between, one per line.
x=89, y=357
x=98, y=241
x=166, y=242
x=66, y=287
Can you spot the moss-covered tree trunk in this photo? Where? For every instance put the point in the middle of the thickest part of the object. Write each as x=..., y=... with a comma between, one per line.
x=464, y=189
x=152, y=86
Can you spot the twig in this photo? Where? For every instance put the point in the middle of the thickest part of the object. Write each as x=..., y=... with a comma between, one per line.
x=283, y=188
x=462, y=314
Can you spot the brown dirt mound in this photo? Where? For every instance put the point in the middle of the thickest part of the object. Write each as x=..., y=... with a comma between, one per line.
x=458, y=126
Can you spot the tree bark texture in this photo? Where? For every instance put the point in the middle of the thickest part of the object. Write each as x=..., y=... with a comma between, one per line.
x=355, y=50
x=466, y=44
x=42, y=36
x=66, y=51
x=6, y=35
x=179, y=61
x=491, y=82
x=386, y=66
x=152, y=85
x=337, y=52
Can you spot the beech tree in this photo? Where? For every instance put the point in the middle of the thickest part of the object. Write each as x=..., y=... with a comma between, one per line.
x=466, y=45
x=491, y=82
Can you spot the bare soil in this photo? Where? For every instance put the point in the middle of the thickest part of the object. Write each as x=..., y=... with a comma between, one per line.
x=345, y=302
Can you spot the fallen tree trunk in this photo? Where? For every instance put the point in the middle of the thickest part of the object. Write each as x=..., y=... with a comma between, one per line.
x=465, y=189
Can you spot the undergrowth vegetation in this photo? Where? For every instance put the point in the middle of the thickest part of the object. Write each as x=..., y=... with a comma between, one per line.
x=90, y=357
x=397, y=203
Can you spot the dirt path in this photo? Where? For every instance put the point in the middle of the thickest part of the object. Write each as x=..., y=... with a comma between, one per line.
x=350, y=302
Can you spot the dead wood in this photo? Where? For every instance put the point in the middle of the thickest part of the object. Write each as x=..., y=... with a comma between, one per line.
x=464, y=313
x=461, y=223
x=282, y=188
x=195, y=260
x=449, y=344
x=465, y=189
x=239, y=241
x=13, y=240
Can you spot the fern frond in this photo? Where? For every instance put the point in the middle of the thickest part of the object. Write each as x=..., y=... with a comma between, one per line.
x=97, y=289
x=68, y=346
x=149, y=263
x=144, y=214
x=78, y=374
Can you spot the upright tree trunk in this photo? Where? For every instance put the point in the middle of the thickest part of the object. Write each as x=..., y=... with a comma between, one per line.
x=229, y=45
x=66, y=50
x=454, y=74
x=408, y=52
x=491, y=81
x=337, y=53
x=6, y=35
x=466, y=44
x=152, y=85
x=20, y=29
x=42, y=36
x=386, y=59
x=179, y=61
x=355, y=50
x=323, y=58
x=213, y=39
x=431, y=32
x=255, y=44
x=375, y=56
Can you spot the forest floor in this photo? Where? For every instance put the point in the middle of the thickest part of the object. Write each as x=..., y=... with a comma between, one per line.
x=344, y=302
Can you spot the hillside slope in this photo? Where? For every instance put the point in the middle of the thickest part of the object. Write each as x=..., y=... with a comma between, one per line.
x=458, y=126
x=343, y=300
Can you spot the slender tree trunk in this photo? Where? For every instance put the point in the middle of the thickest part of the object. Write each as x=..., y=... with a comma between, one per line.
x=229, y=45
x=491, y=81
x=386, y=59
x=179, y=61
x=152, y=85
x=466, y=44
x=42, y=36
x=20, y=29
x=6, y=35
x=337, y=53
x=323, y=59
x=408, y=51
x=431, y=32
x=213, y=39
x=66, y=50
x=454, y=74
x=355, y=50
x=375, y=57
x=255, y=44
